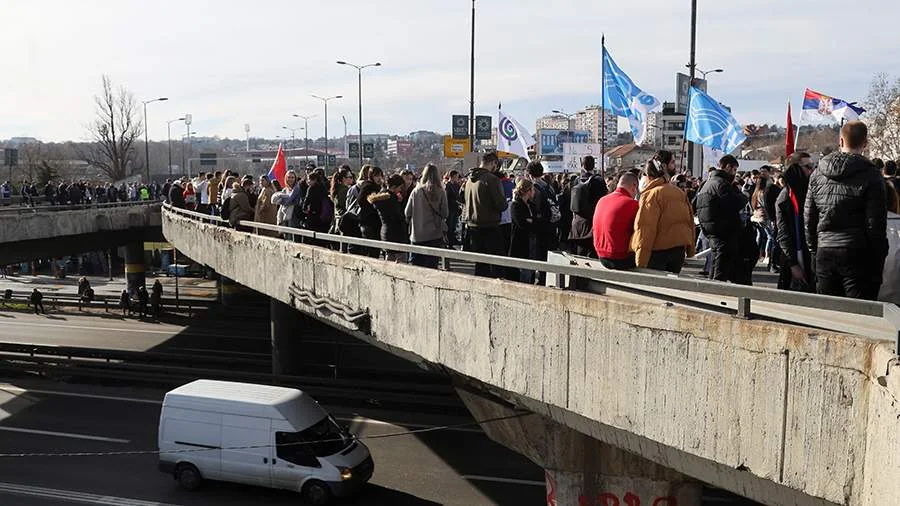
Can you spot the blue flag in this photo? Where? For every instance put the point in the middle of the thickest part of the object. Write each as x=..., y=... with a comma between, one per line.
x=709, y=123
x=623, y=98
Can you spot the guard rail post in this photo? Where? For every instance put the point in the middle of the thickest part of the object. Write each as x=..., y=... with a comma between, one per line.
x=743, y=308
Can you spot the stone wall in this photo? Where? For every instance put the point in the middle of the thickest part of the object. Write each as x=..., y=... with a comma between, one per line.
x=781, y=414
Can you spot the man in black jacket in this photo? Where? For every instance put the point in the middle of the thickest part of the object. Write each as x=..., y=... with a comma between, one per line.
x=719, y=204
x=846, y=219
x=585, y=194
x=176, y=195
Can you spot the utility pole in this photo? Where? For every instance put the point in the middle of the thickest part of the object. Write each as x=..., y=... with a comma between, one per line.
x=472, y=87
x=693, y=68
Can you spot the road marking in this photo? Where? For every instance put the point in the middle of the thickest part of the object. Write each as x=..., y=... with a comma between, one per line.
x=475, y=477
x=372, y=421
x=64, y=434
x=175, y=330
x=18, y=390
x=73, y=496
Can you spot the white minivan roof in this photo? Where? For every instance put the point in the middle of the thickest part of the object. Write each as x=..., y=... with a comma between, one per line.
x=248, y=399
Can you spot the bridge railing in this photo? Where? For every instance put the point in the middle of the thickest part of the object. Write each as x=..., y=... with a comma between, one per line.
x=75, y=207
x=744, y=295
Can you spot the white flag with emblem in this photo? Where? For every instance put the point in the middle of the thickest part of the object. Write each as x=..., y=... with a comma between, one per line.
x=512, y=136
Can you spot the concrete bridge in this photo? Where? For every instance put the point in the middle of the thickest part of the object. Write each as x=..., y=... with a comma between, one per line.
x=632, y=395
x=27, y=233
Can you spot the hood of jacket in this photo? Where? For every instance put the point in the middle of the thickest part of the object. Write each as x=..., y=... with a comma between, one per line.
x=840, y=166
x=477, y=173
x=655, y=183
x=380, y=197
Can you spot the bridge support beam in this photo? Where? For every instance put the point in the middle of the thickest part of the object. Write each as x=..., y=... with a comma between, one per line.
x=134, y=266
x=581, y=470
x=288, y=326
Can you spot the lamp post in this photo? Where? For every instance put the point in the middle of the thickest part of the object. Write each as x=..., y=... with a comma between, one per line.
x=146, y=141
x=190, y=148
x=292, y=130
x=704, y=72
x=325, y=101
x=306, y=131
x=169, y=141
x=359, y=69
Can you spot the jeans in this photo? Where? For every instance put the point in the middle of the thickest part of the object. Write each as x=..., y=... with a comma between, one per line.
x=487, y=240
x=428, y=261
x=619, y=265
x=847, y=273
x=724, y=254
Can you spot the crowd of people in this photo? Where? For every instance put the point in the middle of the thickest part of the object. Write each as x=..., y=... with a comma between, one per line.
x=822, y=229
x=78, y=192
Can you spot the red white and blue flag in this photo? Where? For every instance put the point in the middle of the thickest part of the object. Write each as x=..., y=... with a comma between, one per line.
x=817, y=107
x=279, y=167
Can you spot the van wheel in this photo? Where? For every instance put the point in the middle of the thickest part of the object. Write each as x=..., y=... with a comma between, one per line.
x=316, y=493
x=188, y=476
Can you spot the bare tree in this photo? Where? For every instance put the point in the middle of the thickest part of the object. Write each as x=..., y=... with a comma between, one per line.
x=114, y=132
x=883, y=117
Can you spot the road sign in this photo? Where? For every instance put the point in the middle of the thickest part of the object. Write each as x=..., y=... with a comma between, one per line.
x=320, y=160
x=10, y=157
x=332, y=160
x=368, y=150
x=460, y=126
x=455, y=148
x=483, y=128
x=207, y=159
x=353, y=150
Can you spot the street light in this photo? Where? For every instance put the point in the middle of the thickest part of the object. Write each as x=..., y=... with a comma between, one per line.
x=704, y=72
x=359, y=69
x=292, y=134
x=325, y=101
x=306, y=131
x=169, y=141
x=146, y=141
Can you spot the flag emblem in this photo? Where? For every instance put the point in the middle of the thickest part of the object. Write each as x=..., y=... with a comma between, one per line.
x=508, y=130
x=826, y=105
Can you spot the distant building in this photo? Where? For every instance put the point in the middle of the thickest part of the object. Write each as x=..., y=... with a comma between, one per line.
x=553, y=122
x=399, y=147
x=591, y=119
x=629, y=156
x=667, y=130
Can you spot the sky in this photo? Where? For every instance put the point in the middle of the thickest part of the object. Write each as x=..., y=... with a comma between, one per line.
x=230, y=63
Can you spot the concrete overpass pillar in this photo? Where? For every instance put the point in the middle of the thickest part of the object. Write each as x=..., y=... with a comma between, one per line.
x=580, y=470
x=134, y=266
x=288, y=326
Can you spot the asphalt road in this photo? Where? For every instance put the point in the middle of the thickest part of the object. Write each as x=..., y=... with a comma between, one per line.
x=459, y=466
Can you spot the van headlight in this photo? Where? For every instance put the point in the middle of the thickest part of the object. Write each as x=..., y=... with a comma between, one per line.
x=346, y=473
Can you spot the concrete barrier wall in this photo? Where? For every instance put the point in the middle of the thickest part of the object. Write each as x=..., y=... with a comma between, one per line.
x=30, y=226
x=781, y=414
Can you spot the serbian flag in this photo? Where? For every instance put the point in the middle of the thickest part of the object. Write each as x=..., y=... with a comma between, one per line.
x=279, y=167
x=789, y=141
x=817, y=107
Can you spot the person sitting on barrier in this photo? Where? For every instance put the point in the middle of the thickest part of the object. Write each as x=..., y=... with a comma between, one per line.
x=125, y=303
x=36, y=300
x=613, y=224
x=389, y=205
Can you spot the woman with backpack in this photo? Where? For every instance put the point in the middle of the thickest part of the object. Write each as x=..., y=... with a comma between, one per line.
x=426, y=211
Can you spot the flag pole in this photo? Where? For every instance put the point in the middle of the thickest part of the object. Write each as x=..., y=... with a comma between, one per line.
x=603, y=106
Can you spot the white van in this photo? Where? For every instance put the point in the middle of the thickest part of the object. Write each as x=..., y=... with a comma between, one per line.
x=259, y=435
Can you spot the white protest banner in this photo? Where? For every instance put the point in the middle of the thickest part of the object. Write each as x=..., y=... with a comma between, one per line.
x=574, y=152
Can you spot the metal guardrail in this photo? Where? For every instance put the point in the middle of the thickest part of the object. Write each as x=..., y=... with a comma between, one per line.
x=107, y=302
x=68, y=207
x=744, y=294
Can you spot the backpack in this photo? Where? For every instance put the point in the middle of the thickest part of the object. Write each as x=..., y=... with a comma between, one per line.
x=226, y=209
x=552, y=203
x=583, y=199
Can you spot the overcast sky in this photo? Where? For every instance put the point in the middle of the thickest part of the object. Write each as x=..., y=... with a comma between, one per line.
x=234, y=62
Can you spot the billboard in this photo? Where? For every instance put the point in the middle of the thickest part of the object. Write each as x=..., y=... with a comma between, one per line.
x=404, y=148
x=551, y=140
x=683, y=89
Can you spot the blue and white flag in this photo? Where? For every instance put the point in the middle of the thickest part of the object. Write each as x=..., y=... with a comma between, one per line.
x=512, y=136
x=711, y=124
x=623, y=98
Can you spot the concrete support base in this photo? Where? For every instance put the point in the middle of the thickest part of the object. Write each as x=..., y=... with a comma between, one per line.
x=580, y=470
x=288, y=326
x=134, y=266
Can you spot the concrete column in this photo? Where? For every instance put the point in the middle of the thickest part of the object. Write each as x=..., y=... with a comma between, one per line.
x=134, y=266
x=288, y=326
x=581, y=470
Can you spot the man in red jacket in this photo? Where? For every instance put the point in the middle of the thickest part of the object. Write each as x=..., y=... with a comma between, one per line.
x=614, y=223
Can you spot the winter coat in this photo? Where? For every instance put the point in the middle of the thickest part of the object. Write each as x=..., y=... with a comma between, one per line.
x=791, y=239
x=390, y=211
x=239, y=207
x=427, y=218
x=845, y=205
x=286, y=199
x=613, y=224
x=369, y=220
x=312, y=209
x=582, y=225
x=176, y=196
x=719, y=205
x=265, y=211
x=484, y=197
x=522, y=238
x=664, y=220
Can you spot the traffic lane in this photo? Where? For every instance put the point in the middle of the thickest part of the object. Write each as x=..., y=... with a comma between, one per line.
x=409, y=469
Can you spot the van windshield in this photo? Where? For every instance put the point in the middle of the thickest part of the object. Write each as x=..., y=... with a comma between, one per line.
x=325, y=437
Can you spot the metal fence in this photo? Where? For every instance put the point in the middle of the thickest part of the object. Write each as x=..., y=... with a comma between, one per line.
x=69, y=207
x=558, y=274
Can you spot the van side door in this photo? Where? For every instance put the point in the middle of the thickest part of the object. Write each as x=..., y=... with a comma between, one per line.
x=294, y=462
x=246, y=450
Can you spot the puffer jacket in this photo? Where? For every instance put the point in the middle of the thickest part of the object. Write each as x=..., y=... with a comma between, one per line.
x=845, y=205
x=485, y=200
x=390, y=211
x=664, y=220
x=719, y=205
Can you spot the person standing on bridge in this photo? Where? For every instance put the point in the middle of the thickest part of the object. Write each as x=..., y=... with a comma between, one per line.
x=266, y=211
x=389, y=205
x=584, y=196
x=796, y=264
x=719, y=204
x=339, y=187
x=485, y=202
x=613, y=224
x=156, y=298
x=239, y=208
x=287, y=199
x=664, y=225
x=427, y=211
x=369, y=220
x=846, y=219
